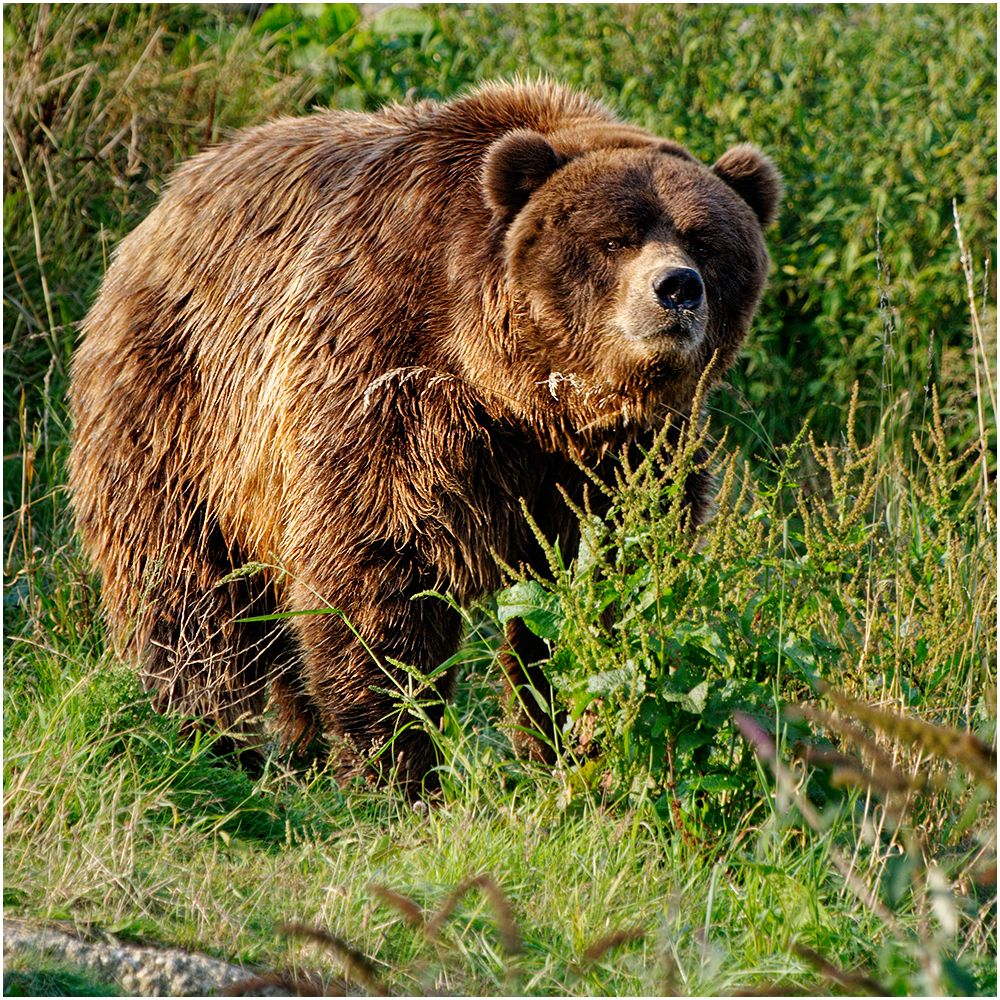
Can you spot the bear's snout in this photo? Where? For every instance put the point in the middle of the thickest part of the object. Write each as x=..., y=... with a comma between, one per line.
x=664, y=303
x=679, y=288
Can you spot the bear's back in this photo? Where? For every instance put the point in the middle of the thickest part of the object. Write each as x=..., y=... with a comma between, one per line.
x=279, y=276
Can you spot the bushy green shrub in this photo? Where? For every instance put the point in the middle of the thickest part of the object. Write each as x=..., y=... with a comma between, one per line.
x=860, y=564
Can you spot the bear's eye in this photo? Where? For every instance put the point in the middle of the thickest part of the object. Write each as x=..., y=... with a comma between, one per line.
x=700, y=248
x=615, y=244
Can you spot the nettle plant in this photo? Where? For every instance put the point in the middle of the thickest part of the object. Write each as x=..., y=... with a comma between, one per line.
x=842, y=563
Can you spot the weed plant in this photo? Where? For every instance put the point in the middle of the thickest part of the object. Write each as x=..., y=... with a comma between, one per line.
x=852, y=562
x=778, y=772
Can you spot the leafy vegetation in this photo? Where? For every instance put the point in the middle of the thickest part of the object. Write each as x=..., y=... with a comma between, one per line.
x=848, y=567
x=721, y=820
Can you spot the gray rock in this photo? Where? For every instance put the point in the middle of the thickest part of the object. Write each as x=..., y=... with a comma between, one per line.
x=137, y=971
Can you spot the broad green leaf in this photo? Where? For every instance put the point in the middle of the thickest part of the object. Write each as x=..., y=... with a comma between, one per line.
x=402, y=21
x=535, y=606
x=691, y=701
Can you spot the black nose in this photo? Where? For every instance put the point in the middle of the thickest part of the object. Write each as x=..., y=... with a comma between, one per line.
x=679, y=288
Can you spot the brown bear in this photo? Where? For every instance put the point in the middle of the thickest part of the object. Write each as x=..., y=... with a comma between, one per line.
x=346, y=352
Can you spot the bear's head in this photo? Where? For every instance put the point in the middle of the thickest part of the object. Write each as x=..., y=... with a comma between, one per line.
x=633, y=263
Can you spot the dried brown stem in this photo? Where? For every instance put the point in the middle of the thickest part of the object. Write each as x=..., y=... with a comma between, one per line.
x=356, y=965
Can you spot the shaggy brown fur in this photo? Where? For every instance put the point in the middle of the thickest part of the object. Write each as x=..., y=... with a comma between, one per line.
x=346, y=347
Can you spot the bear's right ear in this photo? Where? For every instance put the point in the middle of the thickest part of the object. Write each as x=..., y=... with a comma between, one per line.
x=515, y=167
x=754, y=178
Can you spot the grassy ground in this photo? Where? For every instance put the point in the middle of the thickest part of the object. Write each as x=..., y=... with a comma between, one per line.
x=724, y=840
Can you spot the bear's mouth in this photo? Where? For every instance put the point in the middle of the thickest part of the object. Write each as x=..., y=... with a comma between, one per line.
x=685, y=326
x=677, y=332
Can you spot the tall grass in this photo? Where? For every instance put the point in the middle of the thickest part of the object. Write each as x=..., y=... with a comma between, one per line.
x=777, y=774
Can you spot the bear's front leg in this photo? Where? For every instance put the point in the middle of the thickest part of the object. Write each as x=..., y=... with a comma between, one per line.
x=532, y=717
x=351, y=679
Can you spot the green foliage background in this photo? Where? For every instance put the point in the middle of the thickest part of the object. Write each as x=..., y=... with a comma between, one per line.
x=865, y=554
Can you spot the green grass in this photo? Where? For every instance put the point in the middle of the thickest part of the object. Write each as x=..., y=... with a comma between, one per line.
x=717, y=859
x=53, y=980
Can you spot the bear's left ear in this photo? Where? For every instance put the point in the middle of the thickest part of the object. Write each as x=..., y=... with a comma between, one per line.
x=515, y=167
x=754, y=178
